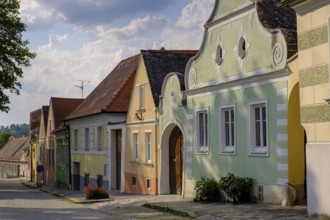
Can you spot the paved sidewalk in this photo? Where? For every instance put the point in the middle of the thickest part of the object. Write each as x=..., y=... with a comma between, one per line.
x=175, y=202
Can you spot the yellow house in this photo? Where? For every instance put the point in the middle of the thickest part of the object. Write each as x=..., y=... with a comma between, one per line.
x=34, y=129
x=142, y=135
x=313, y=21
x=97, y=128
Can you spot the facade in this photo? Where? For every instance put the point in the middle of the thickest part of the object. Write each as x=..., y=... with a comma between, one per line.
x=13, y=158
x=41, y=146
x=313, y=51
x=236, y=109
x=34, y=131
x=97, y=128
x=141, y=160
x=59, y=109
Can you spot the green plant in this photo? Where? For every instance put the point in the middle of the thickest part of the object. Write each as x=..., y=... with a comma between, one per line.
x=207, y=190
x=237, y=188
x=95, y=193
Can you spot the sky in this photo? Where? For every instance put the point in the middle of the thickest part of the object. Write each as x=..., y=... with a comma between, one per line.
x=83, y=40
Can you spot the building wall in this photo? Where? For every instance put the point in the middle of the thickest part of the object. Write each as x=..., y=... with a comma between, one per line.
x=236, y=82
x=141, y=169
x=34, y=162
x=313, y=42
x=93, y=161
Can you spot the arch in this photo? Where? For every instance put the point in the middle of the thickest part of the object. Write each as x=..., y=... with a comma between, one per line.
x=164, y=168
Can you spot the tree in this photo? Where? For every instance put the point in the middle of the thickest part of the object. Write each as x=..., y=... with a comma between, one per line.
x=4, y=137
x=14, y=53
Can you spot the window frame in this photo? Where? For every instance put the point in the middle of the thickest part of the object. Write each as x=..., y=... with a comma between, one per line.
x=99, y=138
x=201, y=149
x=86, y=138
x=75, y=139
x=255, y=150
x=136, y=146
x=230, y=149
x=141, y=97
x=148, y=147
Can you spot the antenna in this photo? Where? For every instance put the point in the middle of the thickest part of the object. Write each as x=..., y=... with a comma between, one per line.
x=82, y=86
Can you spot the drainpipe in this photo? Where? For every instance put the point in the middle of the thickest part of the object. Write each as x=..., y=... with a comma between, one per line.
x=157, y=149
x=69, y=152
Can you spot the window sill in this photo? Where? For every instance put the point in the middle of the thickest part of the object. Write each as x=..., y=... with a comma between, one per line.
x=202, y=151
x=261, y=151
x=149, y=164
x=228, y=150
x=135, y=162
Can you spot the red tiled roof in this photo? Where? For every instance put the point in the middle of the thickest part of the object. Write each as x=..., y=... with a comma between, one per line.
x=113, y=93
x=62, y=107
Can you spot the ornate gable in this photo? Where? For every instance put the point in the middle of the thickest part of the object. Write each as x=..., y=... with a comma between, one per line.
x=242, y=39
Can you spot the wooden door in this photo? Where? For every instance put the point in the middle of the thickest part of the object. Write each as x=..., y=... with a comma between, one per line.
x=175, y=149
x=118, y=158
x=76, y=176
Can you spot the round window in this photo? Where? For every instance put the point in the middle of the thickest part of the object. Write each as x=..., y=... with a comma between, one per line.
x=241, y=47
x=219, y=55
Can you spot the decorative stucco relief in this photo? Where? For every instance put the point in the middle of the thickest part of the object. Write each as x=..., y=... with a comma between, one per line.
x=315, y=114
x=313, y=38
x=314, y=76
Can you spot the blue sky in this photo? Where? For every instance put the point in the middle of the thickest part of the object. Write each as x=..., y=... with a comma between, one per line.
x=85, y=39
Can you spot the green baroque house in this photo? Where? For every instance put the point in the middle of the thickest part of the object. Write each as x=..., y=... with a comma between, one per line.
x=236, y=107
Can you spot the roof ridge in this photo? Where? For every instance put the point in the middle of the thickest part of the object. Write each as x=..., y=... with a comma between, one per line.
x=123, y=85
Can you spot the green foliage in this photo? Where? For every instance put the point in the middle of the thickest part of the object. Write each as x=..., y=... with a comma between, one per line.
x=14, y=53
x=95, y=193
x=4, y=138
x=207, y=190
x=237, y=188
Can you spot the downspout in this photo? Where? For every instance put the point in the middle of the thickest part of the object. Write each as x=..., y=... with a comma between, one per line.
x=69, y=152
x=157, y=150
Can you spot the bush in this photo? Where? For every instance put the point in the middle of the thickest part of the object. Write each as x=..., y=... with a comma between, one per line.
x=237, y=188
x=95, y=193
x=207, y=190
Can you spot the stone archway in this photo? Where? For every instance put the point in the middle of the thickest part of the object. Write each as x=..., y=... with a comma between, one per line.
x=171, y=176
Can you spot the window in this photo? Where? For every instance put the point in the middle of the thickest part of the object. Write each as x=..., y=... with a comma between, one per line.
x=86, y=139
x=148, y=147
x=258, y=128
x=133, y=180
x=202, y=129
x=99, y=138
x=99, y=181
x=227, y=130
x=219, y=55
x=241, y=47
x=75, y=139
x=148, y=183
x=141, y=97
x=86, y=179
x=136, y=147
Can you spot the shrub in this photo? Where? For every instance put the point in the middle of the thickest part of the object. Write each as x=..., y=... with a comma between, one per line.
x=237, y=188
x=95, y=193
x=207, y=190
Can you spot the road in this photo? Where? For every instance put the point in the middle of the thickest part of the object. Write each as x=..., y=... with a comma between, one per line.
x=20, y=202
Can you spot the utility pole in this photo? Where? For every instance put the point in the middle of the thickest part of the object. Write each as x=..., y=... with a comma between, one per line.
x=82, y=86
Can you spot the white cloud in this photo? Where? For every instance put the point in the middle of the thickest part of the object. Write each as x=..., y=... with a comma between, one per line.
x=75, y=52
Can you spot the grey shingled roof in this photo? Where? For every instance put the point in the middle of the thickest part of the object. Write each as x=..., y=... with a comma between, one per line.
x=161, y=62
x=274, y=17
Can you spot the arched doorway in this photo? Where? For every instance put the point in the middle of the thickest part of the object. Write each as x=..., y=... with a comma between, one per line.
x=175, y=161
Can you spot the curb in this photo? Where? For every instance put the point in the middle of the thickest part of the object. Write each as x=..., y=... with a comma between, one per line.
x=59, y=195
x=168, y=209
